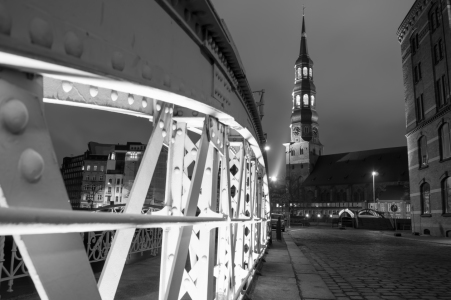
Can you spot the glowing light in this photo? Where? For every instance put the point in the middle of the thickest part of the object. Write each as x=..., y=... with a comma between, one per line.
x=374, y=173
x=267, y=148
x=307, y=215
x=319, y=216
x=330, y=216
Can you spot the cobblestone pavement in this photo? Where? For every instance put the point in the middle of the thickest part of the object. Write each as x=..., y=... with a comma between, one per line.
x=362, y=264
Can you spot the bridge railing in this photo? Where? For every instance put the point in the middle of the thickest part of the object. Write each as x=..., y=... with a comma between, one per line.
x=174, y=63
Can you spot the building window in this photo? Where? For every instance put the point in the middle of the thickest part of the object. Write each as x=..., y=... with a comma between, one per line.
x=117, y=198
x=87, y=177
x=117, y=189
x=293, y=152
x=301, y=151
x=446, y=194
x=298, y=101
x=95, y=168
x=93, y=178
x=438, y=51
x=425, y=199
x=101, y=177
x=305, y=100
x=306, y=130
x=109, y=190
x=444, y=89
x=313, y=101
x=414, y=43
x=435, y=19
x=99, y=197
x=299, y=73
x=101, y=168
x=423, y=154
x=438, y=87
x=118, y=181
x=444, y=141
x=110, y=181
x=305, y=72
x=292, y=167
x=311, y=73
x=420, y=108
x=88, y=168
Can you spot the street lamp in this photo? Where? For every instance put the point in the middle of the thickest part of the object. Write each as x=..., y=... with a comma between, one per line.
x=374, y=191
x=267, y=148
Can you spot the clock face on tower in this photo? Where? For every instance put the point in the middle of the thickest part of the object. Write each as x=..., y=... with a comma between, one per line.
x=296, y=130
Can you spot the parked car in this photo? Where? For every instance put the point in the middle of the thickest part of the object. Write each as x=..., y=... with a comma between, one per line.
x=275, y=218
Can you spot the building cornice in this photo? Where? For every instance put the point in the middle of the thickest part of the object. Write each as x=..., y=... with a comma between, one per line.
x=415, y=11
x=422, y=124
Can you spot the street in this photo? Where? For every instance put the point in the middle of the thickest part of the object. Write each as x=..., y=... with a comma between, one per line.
x=363, y=264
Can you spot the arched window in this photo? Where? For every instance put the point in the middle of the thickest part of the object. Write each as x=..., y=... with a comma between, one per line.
x=313, y=100
x=301, y=151
x=299, y=73
x=305, y=72
x=422, y=152
x=446, y=195
x=311, y=73
x=298, y=101
x=305, y=100
x=425, y=199
x=444, y=141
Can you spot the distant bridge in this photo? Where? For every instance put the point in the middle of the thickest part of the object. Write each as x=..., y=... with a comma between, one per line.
x=172, y=62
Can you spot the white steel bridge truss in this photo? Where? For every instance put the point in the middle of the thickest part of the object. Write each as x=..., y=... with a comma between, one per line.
x=218, y=217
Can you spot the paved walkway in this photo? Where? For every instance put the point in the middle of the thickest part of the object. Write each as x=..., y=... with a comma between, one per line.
x=287, y=274
x=364, y=264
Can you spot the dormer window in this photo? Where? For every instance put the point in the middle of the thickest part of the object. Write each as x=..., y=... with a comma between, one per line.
x=305, y=72
x=305, y=100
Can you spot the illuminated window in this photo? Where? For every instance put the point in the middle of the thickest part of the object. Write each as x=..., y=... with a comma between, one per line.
x=305, y=71
x=446, y=195
x=101, y=168
x=298, y=100
x=444, y=141
x=299, y=73
x=95, y=168
x=425, y=199
x=305, y=100
x=88, y=168
x=313, y=101
x=311, y=73
x=422, y=153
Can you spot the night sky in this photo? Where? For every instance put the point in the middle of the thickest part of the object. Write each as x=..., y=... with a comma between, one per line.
x=357, y=73
x=357, y=67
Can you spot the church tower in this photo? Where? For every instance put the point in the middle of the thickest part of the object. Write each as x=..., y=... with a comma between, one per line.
x=305, y=148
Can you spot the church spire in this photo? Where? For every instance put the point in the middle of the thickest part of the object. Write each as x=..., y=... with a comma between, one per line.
x=304, y=50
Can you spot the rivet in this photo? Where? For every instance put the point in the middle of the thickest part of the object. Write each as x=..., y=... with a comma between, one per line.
x=5, y=21
x=31, y=165
x=114, y=95
x=118, y=61
x=179, y=131
x=147, y=72
x=93, y=91
x=161, y=124
x=166, y=109
x=176, y=170
x=73, y=44
x=131, y=99
x=41, y=33
x=144, y=102
x=194, y=152
x=158, y=107
x=67, y=86
x=14, y=115
x=163, y=133
x=208, y=171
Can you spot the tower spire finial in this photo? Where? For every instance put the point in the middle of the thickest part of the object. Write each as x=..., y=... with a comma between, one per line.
x=303, y=10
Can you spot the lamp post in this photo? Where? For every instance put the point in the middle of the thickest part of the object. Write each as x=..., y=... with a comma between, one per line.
x=374, y=190
x=289, y=181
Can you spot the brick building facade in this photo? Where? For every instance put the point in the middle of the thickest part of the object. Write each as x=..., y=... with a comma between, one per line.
x=425, y=38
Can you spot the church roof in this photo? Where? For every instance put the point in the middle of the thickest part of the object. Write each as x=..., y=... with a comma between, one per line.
x=356, y=167
x=303, y=51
